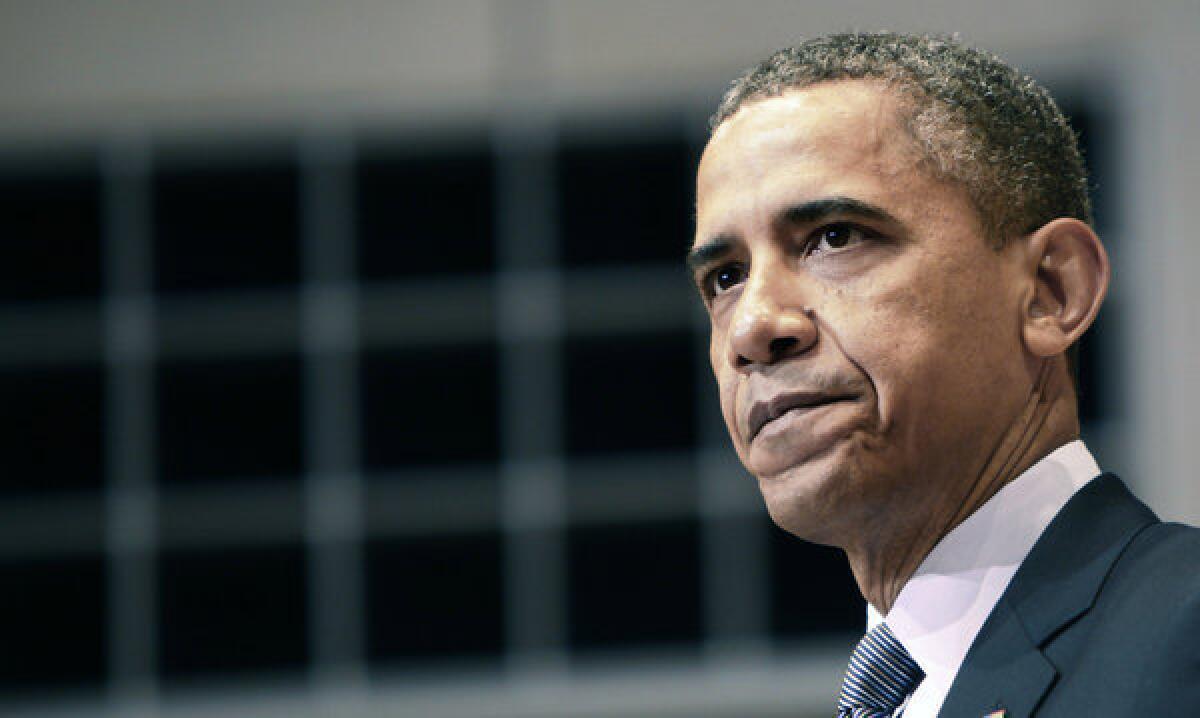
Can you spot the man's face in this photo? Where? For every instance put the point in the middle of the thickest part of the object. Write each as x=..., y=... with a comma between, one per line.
x=865, y=334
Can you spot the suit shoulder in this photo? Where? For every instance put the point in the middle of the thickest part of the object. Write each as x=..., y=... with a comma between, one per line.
x=1165, y=558
x=1164, y=548
x=1159, y=573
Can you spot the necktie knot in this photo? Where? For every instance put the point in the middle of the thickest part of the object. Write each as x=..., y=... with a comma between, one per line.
x=881, y=674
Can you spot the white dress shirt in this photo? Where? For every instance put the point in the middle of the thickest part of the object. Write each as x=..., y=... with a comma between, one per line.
x=945, y=603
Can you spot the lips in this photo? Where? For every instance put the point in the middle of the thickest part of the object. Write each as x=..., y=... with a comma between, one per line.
x=765, y=411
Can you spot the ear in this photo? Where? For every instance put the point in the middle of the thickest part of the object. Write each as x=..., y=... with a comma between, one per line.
x=1070, y=278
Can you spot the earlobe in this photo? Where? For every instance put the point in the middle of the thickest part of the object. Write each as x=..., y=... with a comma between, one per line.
x=1070, y=274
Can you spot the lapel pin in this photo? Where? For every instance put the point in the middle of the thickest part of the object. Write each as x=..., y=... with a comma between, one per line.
x=997, y=714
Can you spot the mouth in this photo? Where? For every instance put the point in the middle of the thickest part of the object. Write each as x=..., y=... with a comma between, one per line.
x=762, y=413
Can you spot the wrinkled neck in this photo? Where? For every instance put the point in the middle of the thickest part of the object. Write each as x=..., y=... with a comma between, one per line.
x=1046, y=421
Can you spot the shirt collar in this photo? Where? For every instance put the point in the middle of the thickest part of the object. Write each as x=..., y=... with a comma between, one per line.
x=942, y=607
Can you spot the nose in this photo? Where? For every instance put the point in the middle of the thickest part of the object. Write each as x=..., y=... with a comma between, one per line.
x=771, y=322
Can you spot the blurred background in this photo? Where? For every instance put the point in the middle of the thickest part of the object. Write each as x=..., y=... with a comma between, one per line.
x=348, y=366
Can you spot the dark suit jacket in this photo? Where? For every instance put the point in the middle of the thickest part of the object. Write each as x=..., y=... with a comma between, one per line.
x=1101, y=620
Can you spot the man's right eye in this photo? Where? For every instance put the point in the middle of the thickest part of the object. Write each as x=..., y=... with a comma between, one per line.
x=724, y=278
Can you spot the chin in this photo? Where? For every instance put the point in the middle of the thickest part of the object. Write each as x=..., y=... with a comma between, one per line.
x=814, y=499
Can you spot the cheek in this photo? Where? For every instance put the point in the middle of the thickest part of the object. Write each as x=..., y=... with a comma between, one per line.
x=896, y=336
x=930, y=351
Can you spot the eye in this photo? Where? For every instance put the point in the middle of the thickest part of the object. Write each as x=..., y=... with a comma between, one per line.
x=724, y=278
x=834, y=237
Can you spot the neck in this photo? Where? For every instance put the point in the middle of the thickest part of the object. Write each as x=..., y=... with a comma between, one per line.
x=1047, y=420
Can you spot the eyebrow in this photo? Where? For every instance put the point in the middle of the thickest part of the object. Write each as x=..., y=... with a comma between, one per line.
x=709, y=252
x=819, y=209
x=805, y=213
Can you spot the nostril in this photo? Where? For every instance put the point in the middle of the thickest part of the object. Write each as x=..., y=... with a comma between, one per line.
x=781, y=345
x=776, y=350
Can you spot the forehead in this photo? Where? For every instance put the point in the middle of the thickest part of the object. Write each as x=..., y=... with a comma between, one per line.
x=839, y=138
x=847, y=116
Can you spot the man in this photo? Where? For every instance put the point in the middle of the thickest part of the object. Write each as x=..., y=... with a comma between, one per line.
x=894, y=246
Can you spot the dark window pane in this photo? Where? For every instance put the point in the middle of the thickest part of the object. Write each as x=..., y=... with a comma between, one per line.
x=421, y=213
x=52, y=617
x=224, y=612
x=812, y=590
x=51, y=227
x=227, y=226
x=630, y=393
x=626, y=203
x=430, y=406
x=229, y=419
x=1097, y=368
x=1096, y=141
x=50, y=428
x=634, y=584
x=434, y=598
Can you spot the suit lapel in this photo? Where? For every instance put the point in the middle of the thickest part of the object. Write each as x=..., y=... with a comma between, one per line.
x=1005, y=668
x=1004, y=671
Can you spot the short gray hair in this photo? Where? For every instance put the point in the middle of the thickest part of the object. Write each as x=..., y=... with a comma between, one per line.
x=978, y=120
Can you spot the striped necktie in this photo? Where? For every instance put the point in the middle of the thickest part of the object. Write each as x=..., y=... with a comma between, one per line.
x=881, y=674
